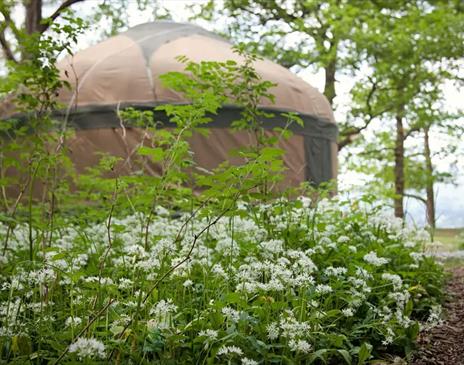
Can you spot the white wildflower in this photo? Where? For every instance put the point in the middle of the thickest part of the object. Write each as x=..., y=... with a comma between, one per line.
x=388, y=337
x=187, y=283
x=323, y=289
x=272, y=331
x=162, y=211
x=88, y=348
x=373, y=259
x=409, y=244
x=231, y=314
x=348, y=312
x=218, y=270
x=363, y=273
x=210, y=335
x=394, y=279
x=292, y=328
x=247, y=361
x=125, y=283
x=163, y=311
x=72, y=321
x=434, y=318
x=335, y=271
x=226, y=350
x=163, y=307
x=417, y=256
x=272, y=246
x=300, y=346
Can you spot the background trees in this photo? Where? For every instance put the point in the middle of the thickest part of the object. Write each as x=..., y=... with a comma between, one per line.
x=400, y=53
x=20, y=20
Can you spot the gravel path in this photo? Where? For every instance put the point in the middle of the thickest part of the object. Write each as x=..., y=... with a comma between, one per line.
x=444, y=344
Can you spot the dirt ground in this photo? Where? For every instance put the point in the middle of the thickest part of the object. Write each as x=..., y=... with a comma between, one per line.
x=444, y=344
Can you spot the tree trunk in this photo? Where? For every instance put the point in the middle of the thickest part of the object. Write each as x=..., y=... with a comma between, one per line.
x=330, y=68
x=399, y=166
x=329, y=87
x=430, y=205
x=33, y=10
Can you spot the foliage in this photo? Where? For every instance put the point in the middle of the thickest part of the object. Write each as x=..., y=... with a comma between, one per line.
x=111, y=266
x=398, y=62
x=278, y=282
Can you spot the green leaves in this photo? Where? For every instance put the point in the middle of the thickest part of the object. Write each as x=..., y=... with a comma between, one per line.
x=364, y=353
x=156, y=154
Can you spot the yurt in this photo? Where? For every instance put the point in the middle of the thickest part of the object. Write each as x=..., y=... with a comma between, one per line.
x=124, y=71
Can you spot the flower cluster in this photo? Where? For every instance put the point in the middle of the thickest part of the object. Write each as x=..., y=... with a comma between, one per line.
x=88, y=348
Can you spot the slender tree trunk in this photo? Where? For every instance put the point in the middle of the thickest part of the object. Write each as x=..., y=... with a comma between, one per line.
x=33, y=10
x=329, y=87
x=331, y=67
x=399, y=166
x=33, y=15
x=430, y=205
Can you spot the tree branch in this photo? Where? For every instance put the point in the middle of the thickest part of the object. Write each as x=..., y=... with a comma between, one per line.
x=350, y=135
x=91, y=320
x=8, y=23
x=411, y=131
x=374, y=152
x=417, y=197
x=6, y=47
x=57, y=13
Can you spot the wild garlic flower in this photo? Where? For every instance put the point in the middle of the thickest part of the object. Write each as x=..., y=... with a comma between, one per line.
x=163, y=307
x=323, y=289
x=373, y=259
x=348, y=312
x=230, y=350
x=273, y=331
x=291, y=328
x=389, y=337
x=409, y=244
x=247, y=361
x=394, y=279
x=96, y=279
x=335, y=271
x=231, y=314
x=88, y=348
x=274, y=246
x=210, y=334
x=417, y=256
x=125, y=283
x=218, y=270
x=434, y=318
x=363, y=273
x=72, y=321
x=187, y=283
x=300, y=346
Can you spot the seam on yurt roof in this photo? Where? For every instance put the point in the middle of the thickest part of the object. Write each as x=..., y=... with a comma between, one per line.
x=137, y=43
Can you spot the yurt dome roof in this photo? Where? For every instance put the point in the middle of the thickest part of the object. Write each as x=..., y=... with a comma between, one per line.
x=125, y=70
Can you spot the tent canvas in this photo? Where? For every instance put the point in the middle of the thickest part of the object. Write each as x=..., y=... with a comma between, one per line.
x=123, y=71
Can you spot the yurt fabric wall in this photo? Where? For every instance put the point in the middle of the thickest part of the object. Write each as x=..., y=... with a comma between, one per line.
x=124, y=71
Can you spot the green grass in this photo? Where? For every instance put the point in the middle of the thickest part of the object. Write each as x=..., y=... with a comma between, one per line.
x=452, y=238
